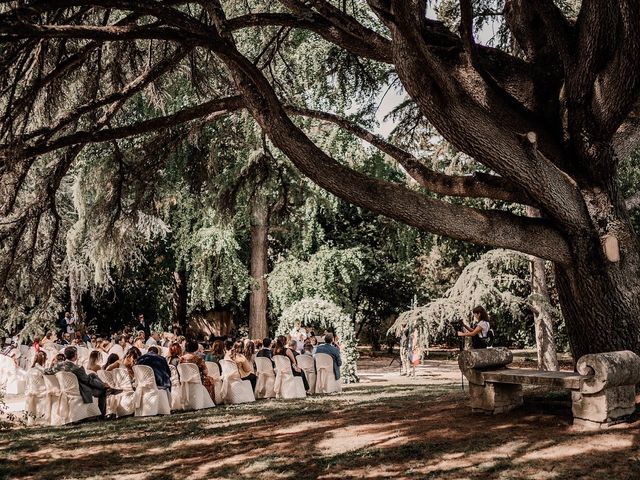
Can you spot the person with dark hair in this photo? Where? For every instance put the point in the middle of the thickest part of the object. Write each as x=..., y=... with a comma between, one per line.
x=190, y=356
x=143, y=325
x=281, y=349
x=216, y=354
x=330, y=349
x=480, y=332
x=90, y=385
x=245, y=368
x=56, y=359
x=129, y=360
x=112, y=358
x=265, y=351
x=39, y=359
x=159, y=366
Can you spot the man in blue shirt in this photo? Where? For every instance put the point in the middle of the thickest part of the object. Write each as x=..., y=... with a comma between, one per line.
x=330, y=349
x=160, y=368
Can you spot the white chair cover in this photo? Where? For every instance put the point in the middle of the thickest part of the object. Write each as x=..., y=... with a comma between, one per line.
x=176, y=389
x=53, y=399
x=71, y=407
x=194, y=395
x=103, y=358
x=306, y=363
x=126, y=399
x=234, y=389
x=213, y=370
x=12, y=378
x=36, y=401
x=287, y=385
x=112, y=400
x=326, y=380
x=266, y=378
x=83, y=356
x=148, y=399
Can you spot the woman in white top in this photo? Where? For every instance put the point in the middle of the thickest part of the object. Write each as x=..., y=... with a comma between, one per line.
x=480, y=332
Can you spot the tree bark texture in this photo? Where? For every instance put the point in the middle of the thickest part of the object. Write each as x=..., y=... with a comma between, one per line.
x=259, y=255
x=548, y=123
x=540, y=305
x=179, y=301
x=543, y=321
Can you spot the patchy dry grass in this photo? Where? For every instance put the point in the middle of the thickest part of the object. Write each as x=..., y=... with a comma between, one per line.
x=400, y=431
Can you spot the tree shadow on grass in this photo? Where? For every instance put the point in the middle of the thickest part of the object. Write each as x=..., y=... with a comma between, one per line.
x=400, y=431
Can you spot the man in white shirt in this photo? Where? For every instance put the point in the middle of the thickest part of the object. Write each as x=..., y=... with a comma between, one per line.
x=153, y=340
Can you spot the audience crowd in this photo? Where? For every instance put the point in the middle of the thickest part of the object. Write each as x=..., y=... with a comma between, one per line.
x=160, y=350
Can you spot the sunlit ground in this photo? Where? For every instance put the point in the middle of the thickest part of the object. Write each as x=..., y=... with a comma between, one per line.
x=377, y=430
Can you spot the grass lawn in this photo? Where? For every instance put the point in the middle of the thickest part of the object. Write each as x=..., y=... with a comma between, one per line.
x=400, y=431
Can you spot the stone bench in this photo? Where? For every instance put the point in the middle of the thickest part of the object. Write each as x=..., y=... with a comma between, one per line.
x=602, y=390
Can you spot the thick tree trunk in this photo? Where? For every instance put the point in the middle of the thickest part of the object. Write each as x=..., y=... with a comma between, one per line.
x=599, y=294
x=543, y=321
x=259, y=252
x=179, y=302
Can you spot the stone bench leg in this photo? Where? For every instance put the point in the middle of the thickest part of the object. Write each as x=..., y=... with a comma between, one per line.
x=604, y=408
x=495, y=397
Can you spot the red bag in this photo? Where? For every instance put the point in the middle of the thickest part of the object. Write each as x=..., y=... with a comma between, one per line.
x=415, y=359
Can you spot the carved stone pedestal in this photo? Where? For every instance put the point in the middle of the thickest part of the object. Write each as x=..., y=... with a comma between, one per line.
x=495, y=397
x=605, y=408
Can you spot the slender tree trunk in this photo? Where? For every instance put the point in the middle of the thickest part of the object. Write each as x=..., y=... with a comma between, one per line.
x=259, y=252
x=179, y=303
x=542, y=319
x=75, y=299
x=540, y=304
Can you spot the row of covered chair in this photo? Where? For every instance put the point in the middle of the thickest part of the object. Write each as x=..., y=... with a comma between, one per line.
x=56, y=400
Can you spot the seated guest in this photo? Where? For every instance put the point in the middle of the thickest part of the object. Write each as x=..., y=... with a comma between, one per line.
x=216, y=354
x=159, y=366
x=36, y=344
x=175, y=352
x=104, y=346
x=152, y=341
x=293, y=346
x=94, y=361
x=79, y=339
x=129, y=360
x=258, y=343
x=308, y=349
x=281, y=349
x=139, y=343
x=330, y=349
x=112, y=358
x=265, y=351
x=56, y=358
x=39, y=360
x=245, y=368
x=249, y=351
x=90, y=385
x=119, y=342
x=191, y=357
